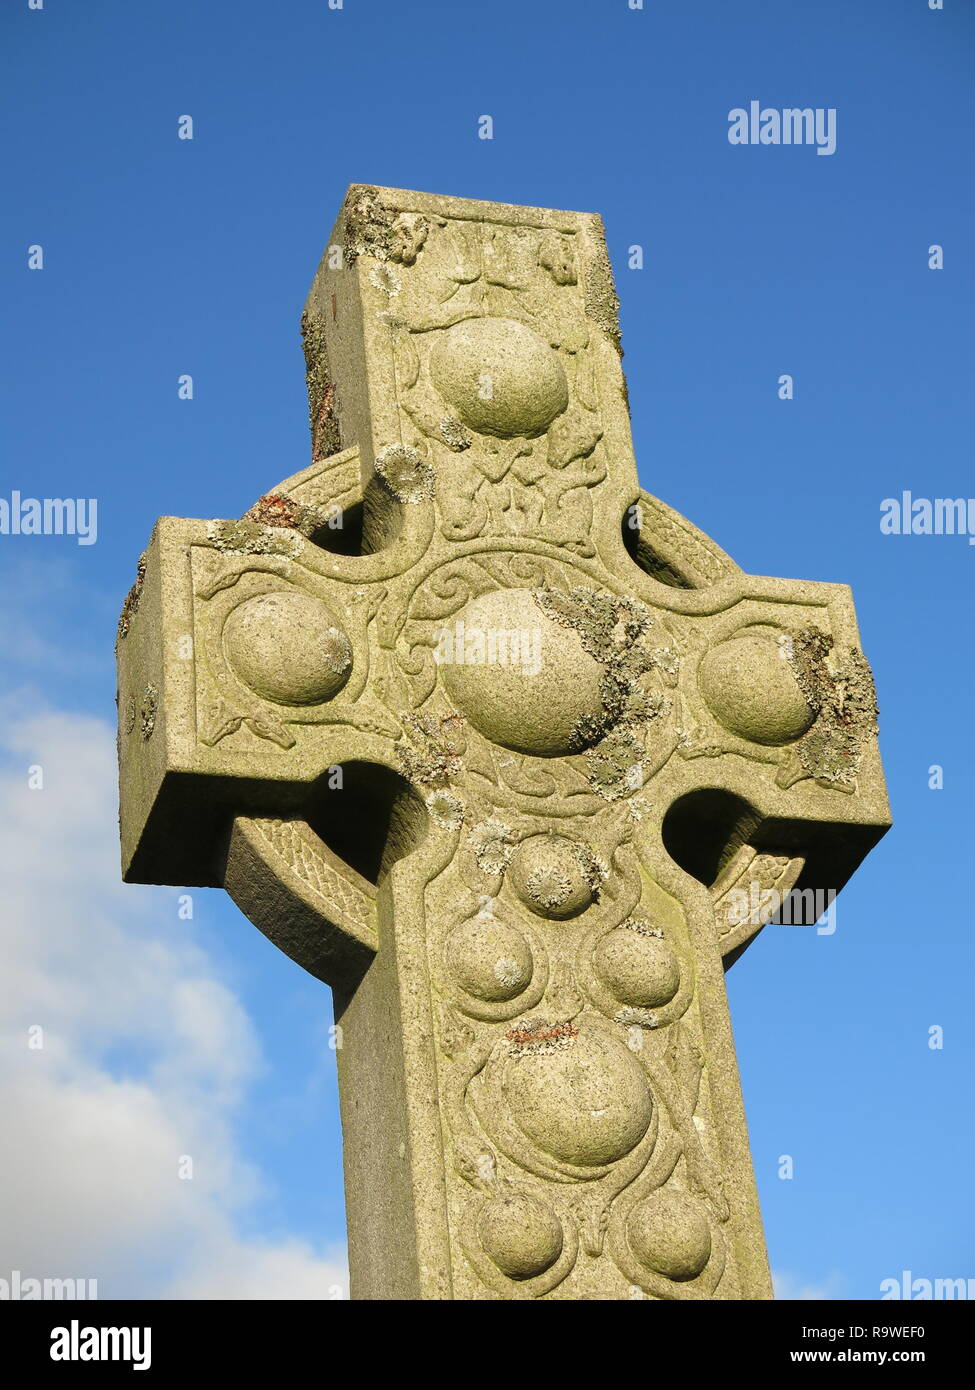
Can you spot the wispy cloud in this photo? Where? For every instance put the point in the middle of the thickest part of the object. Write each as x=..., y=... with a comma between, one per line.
x=793, y=1286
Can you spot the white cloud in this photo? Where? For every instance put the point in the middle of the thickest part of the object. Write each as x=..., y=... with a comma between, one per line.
x=791, y=1286
x=290, y=1271
x=147, y=1055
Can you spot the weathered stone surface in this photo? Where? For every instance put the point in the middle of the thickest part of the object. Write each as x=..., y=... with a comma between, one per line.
x=571, y=735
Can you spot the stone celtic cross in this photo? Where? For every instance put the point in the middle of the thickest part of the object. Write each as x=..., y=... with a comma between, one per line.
x=497, y=745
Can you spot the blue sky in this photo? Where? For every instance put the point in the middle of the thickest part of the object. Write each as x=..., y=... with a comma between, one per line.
x=164, y=256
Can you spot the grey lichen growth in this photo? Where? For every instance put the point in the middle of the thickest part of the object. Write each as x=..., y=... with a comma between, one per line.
x=405, y=473
x=493, y=843
x=366, y=225
x=147, y=714
x=371, y=227
x=131, y=605
x=615, y=764
x=605, y=622
x=336, y=651
x=446, y=810
x=667, y=660
x=549, y=887
x=845, y=702
x=384, y=280
x=254, y=538
x=453, y=434
x=632, y=1016
x=433, y=755
x=642, y=927
x=594, y=870
x=808, y=651
x=610, y=629
x=507, y=972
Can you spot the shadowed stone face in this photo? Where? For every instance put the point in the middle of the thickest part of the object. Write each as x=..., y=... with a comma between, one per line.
x=497, y=745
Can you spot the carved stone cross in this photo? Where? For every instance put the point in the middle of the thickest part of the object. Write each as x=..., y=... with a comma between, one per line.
x=510, y=755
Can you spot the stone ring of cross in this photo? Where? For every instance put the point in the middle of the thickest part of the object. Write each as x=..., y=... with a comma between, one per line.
x=510, y=755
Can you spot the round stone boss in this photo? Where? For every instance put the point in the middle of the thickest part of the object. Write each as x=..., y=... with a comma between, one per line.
x=489, y=959
x=500, y=377
x=669, y=1232
x=638, y=968
x=521, y=1233
x=586, y=1102
x=749, y=685
x=548, y=874
x=521, y=679
x=287, y=648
